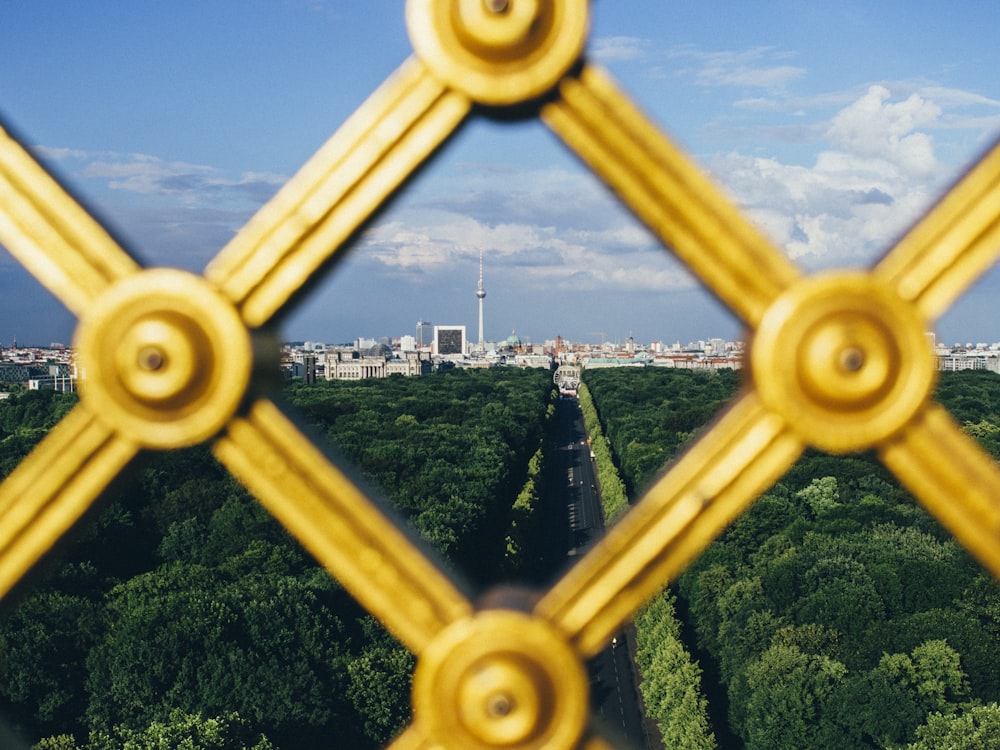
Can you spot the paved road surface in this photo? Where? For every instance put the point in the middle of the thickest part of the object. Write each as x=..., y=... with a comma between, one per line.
x=612, y=677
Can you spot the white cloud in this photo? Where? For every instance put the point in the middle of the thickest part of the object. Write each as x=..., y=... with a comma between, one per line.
x=534, y=256
x=759, y=67
x=947, y=96
x=189, y=183
x=140, y=173
x=867, y=165
x=611, y=48
x=55, y=154
x=877, y=173
x=873, y=171
x=170, y=212
x=987, y=125
x=874, y=127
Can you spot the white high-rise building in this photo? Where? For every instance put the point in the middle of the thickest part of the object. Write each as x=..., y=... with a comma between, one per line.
x=425, y=334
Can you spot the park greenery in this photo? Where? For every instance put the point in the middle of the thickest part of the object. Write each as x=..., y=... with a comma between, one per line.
x=670, y=679
x=835, y=613
x=614, y=496
x=183, y=615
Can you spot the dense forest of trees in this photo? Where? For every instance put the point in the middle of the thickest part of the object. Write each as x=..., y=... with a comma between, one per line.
x=184, y=611
x=836, y=613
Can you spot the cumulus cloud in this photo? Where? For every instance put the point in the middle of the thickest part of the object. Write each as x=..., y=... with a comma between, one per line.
x=877, y=173
x=537, y=256
x=873, y=171
x=866, y=163
x=874, y=127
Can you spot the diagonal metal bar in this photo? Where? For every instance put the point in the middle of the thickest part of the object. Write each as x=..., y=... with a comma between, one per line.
x=741, y=456
x=669, y=193
x=413, y=739
x=359, y=544
x=50, y=489
x=336, y=191
x=952, y=246
x=596, y=741
x=953, y=478
x=51, y=235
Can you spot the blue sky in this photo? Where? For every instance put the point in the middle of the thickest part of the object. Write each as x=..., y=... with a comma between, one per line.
x=833, y=124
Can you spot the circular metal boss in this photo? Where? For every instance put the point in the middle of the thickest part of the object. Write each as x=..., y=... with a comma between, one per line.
x=164, y=358
x=501, y=679
x=844, y=360
x=498, y=52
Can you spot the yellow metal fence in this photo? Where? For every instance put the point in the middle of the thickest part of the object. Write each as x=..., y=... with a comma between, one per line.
x=838, y=361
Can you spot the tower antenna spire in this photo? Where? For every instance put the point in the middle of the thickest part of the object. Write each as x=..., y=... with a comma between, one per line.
x=481, y=294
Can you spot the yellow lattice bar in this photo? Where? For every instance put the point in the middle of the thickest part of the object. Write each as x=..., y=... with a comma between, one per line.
x=345, y=530
x=311, y=217
x=51, y=236
x=838, y=362
x=669, y=193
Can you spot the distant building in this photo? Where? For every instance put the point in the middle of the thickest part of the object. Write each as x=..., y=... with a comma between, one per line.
x=543, y=361
x=449, y=341
x=425, y=334
x=38, y=375
x=974, y=360
x=342, y=366
x=715, y=354
x=64, y=384
x=512, y=343
x=302, y=363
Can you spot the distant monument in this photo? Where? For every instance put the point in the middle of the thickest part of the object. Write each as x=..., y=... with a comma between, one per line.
x=481, y=294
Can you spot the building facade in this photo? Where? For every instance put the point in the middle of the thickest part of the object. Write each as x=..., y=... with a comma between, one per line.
x=449, y=341
x=425, y=334
x=342, y=366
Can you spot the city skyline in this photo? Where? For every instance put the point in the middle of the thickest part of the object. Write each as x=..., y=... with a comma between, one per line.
x=833, y=127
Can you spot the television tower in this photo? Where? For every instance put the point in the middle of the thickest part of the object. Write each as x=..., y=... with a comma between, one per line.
x=481, y=294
